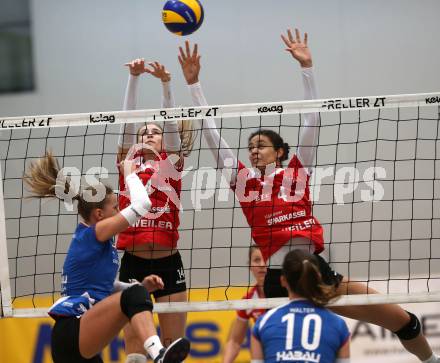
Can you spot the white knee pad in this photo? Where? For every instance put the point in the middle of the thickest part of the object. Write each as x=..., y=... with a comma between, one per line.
x=136, y=358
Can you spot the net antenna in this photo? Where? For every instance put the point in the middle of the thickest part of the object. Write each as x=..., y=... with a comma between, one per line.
x=5, y=286
x=399, y=253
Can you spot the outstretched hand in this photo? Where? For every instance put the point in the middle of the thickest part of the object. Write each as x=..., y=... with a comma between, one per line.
x=159, y=71
x=298, y=48
x=137, y=67
x=190, y=62
x=128, y=167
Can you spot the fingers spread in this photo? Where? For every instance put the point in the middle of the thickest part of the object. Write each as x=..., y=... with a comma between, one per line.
x=196, y=49
x=298, y=37
x=289, y=33
x=188, y=50
x=285, y=40
x=182, y=54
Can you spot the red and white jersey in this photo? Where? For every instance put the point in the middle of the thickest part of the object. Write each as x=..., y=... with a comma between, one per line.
x=277, y=206
x=160, y=225
x=251, y=313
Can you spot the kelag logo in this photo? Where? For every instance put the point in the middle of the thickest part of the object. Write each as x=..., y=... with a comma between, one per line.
x=271, y=108
x=435, y=99
x=205, y=338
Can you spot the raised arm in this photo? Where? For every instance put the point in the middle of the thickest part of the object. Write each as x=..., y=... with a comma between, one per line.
x=127, y=133
x=190, y=62
x=139, y=206
x=159, y=71
x=309, y=132
x=171, y=136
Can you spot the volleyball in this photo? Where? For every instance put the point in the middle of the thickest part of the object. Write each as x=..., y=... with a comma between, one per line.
x=182, y=17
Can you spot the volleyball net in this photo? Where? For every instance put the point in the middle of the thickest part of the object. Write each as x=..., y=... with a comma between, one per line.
x=375, y=189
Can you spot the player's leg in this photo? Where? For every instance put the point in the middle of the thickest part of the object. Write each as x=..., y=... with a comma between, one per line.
x=103, y=322
x=134, y=347
x=106, y=319
x=64, y=342
x=133, y=267
x=390, y=316
x=170, y=269
x=172, y=325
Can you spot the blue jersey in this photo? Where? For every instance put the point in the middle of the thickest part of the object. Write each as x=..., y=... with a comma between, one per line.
x=88, y=273
x=300, y=332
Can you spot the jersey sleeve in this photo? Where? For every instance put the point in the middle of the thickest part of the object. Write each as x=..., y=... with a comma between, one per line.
x=218, y=146
x=127, y=132
x=239, y=176
x=171, y=135
x=256, y=329
x=294, y=162
x=309, y=132
x=344, y=333
x=297, y=170
x=167, y=95
x=243, y=315
x=121, y=178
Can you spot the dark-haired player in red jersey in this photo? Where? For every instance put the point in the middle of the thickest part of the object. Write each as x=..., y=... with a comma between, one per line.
x=275, y=201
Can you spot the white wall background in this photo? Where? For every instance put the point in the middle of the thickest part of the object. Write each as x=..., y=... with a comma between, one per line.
x=360, y=48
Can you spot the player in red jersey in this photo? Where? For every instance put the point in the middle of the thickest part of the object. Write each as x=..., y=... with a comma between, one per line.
x=275, y=200
x=241, y=323
x=151, y=244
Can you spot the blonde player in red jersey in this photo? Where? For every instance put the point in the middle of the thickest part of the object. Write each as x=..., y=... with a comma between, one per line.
x=275, y=200
x=151, y=244
x=241, y=323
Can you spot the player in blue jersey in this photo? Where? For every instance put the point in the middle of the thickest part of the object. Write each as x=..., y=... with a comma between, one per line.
x=302, y=330
x=94, y=307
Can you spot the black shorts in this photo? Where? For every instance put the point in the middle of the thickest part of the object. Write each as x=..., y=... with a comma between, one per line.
x=273, y=288
x=169, y=268
x=65, y=342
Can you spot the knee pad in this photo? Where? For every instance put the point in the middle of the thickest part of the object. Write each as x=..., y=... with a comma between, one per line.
x=410, y=330
x=136, y=358
x=135, y=299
